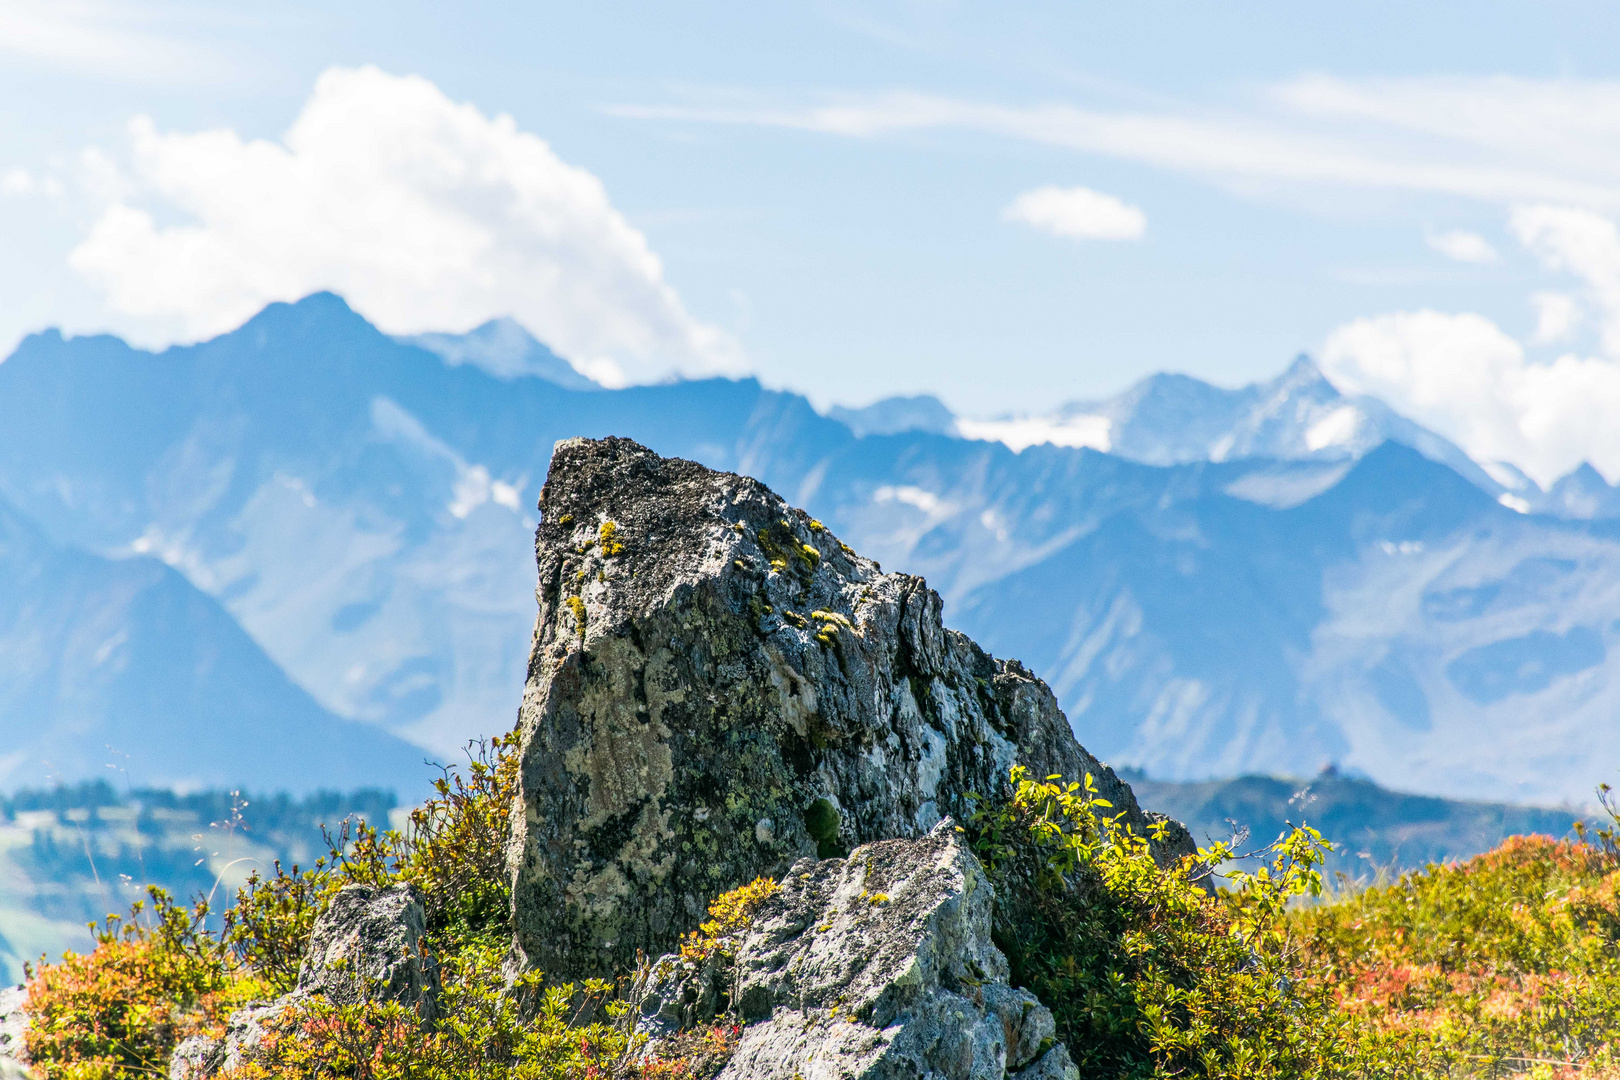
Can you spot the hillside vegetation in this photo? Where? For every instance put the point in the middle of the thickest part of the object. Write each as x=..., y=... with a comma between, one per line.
x=1506, y=964
x=72, y=854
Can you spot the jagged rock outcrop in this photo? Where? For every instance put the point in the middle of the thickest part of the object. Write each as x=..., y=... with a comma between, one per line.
x=13, y=1030
x=718, y=688
x=366, y=946
x=876, y=966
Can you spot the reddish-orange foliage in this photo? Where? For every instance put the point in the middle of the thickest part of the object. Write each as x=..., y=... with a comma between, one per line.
x=121, y=1007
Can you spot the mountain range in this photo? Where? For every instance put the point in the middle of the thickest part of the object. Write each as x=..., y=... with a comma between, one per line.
x=1214, y=581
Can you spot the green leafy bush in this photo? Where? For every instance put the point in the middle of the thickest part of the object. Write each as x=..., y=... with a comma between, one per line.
x=1145, y=971
x=164, y=974
x=484, y=1034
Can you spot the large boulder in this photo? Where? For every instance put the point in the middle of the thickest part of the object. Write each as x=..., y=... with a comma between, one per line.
x=718, y=688
x=368, y=945
x=874, y=967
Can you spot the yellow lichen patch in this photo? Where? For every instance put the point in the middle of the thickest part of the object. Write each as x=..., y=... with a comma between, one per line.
x=827, y=632
x=577, y=606
x=607, y=535
x=566, y=519
x=731, y=912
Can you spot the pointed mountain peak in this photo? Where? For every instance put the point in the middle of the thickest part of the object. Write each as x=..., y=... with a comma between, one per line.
x=1583, y=492
x=324, y=315
x=893, y=415
x=1302, y=373
x=1584, y=477
x=504, y=348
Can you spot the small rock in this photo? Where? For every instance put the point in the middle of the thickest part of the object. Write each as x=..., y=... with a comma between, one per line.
x=1055, y=1064
x=13, y=1030
x=876, y=966
x=195, y=1058
x=366, y=946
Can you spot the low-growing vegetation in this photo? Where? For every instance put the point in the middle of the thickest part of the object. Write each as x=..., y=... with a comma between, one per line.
x=1505, y=965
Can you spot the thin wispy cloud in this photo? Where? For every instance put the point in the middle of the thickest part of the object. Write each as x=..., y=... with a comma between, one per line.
x=1521, y=141
x=122, y=42
x=1463, y=246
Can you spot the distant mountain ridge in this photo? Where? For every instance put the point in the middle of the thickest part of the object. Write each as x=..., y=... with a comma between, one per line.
x=123, y=664
x=364, y=509
x=1172, y=419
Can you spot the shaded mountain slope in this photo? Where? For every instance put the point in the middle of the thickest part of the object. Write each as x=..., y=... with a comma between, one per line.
x=124, y=664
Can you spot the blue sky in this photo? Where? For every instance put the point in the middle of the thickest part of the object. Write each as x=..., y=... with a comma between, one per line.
x=823, y=194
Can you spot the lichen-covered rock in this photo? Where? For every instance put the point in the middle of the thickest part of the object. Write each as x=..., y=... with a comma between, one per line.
x=202, y=1056
x=718, y=687
x=876, y=966
x=195, y=1058
x=366, y=946
x=13, y=1030
x=1055, y=1064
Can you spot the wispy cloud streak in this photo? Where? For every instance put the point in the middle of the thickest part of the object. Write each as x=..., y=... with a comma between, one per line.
x=1494, y=140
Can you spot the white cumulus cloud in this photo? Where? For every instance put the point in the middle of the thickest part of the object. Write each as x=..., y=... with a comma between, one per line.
x=1581, y=243
x=424, y=213
x=1465, y=377
x=1557, y=316
x=16, y=182
x=1461, y=375
x=1077, y=213
x=1465, y=247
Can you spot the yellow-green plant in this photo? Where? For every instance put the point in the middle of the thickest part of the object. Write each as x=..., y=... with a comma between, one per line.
x=483, y=1032
x=1145, y=971
x=118, y=1011
x=729, y=913
x=1506, y=963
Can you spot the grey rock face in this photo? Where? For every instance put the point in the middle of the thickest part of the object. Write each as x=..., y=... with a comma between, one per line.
x=202, y=1056
x=718, y=688
x=195, y=1058
x=13, y=1029
x=1055, y=1064
x=366, y=946
x=875, y=966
